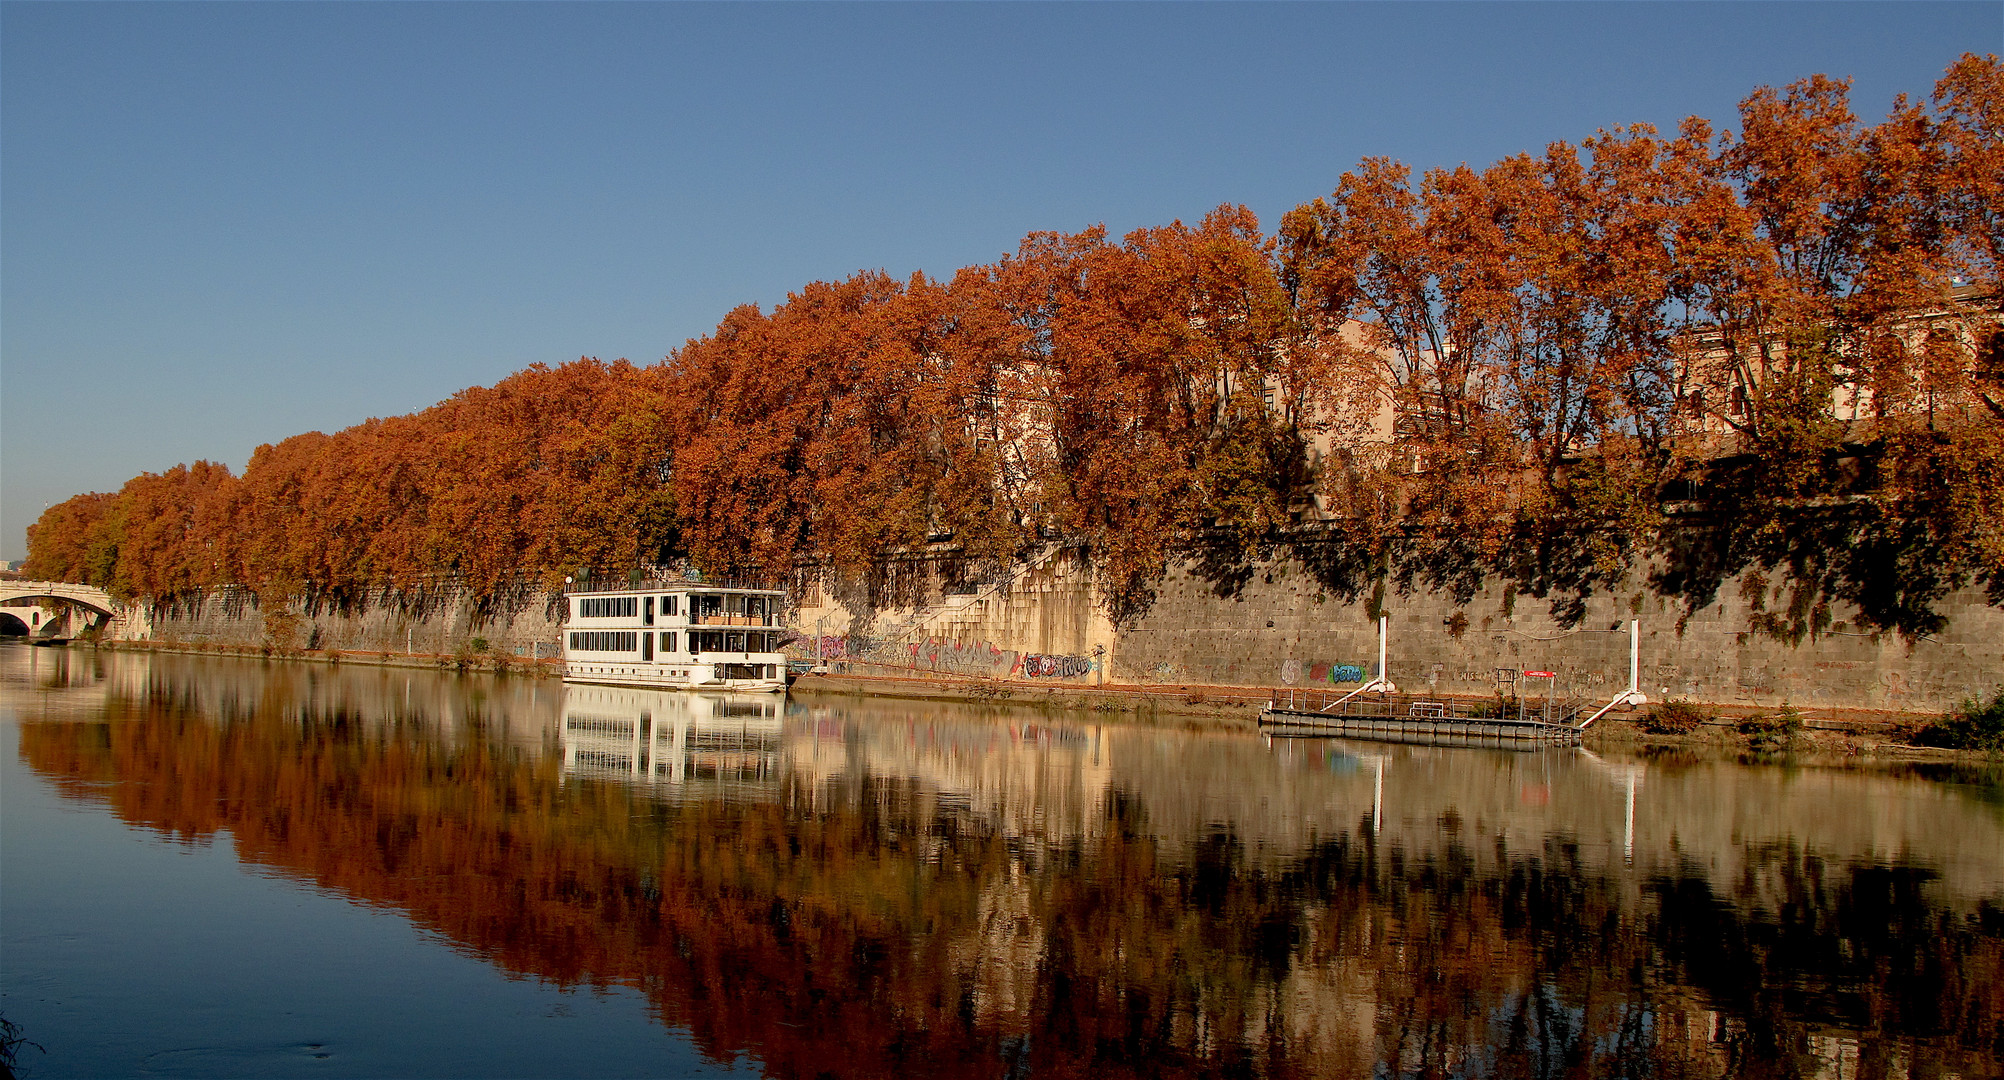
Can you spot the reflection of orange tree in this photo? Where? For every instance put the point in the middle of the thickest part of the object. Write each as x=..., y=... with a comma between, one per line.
x=887, y=934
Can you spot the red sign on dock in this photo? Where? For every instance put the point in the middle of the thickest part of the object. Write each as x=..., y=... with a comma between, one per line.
x=1541, y=674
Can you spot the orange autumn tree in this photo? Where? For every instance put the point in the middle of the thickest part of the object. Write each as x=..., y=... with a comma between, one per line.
x=160, y=536
x=843, y=426
x=1517, y=321
x=548, y=472
x=74, y=540
x=1772, y=321
x=1125, y=397
x=1861, y=401
x=1163, y=387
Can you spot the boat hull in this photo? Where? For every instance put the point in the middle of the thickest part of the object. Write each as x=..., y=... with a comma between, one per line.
x=658, y=677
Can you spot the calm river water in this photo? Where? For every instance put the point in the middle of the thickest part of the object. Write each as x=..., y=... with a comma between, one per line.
x=233, y=867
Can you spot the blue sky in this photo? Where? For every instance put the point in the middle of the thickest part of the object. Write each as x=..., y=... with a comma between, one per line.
x=221, y=225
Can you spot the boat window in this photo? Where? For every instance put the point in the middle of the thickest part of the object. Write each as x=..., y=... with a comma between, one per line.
x=667, y=605
x=608, y=607
x=667, y=641
x=604, y=641
x=647, y=613
x=647, y=640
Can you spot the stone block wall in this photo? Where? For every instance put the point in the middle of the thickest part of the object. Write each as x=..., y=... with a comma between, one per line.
x=445, y=624
x=1043, y=624
x=1282, y=629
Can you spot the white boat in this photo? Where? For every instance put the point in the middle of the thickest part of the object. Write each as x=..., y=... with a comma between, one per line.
x=685, y=635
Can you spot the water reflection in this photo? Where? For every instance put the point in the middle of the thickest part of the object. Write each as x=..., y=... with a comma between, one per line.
x=864, y=888
x=692, y=745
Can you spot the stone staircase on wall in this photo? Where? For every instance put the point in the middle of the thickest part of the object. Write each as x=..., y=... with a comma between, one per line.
x=951, y=614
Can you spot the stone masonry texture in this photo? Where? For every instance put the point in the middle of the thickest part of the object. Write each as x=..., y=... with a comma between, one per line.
x=1279, y=629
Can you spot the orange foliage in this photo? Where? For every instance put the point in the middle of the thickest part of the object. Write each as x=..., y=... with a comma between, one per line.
x=839, y=425
x=548, y=471
x=1768, y=320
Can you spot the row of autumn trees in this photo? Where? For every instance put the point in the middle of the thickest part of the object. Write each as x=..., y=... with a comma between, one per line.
x=556, y=468
x=1774, y=348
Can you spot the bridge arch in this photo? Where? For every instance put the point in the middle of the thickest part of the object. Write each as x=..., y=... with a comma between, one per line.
x=94, y=600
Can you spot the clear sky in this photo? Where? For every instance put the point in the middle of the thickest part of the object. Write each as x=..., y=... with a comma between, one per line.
x=221, y=225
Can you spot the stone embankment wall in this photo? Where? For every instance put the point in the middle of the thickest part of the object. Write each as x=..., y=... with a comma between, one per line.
x=446, y=623
x=1043, y=625
x=1283, y=629
x=1280, y=628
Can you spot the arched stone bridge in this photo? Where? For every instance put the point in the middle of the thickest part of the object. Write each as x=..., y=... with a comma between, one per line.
x=98, y=605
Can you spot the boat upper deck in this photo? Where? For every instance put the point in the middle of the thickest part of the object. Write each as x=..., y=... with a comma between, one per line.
x=677, y=604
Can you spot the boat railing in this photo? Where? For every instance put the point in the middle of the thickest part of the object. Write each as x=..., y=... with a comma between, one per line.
x=732, y=620
x=676, y=583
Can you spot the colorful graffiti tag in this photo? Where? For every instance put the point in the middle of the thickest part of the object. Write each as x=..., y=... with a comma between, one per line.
x=1291, y=672
x=959, y=657
x=1043, y=666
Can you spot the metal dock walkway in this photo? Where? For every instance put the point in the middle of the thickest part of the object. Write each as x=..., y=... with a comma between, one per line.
x=1376, y=710
x=1389, y=718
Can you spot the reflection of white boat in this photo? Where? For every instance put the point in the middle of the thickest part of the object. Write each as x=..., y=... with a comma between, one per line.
x=659, y=737
x=681, y=635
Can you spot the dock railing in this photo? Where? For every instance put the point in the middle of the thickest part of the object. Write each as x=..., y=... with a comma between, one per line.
x=1553, y=712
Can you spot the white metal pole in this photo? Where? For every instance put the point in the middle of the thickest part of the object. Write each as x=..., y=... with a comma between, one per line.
x=1381, y=645
x=1628, y=823
x=1634, y=656
x=1378, y=795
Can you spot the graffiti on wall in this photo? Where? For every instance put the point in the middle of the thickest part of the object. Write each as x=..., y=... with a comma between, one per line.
x=1046, y=666
x=981, y=658
x=1291, y=672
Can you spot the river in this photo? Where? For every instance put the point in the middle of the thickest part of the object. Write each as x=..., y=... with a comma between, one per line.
x=218, y=866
